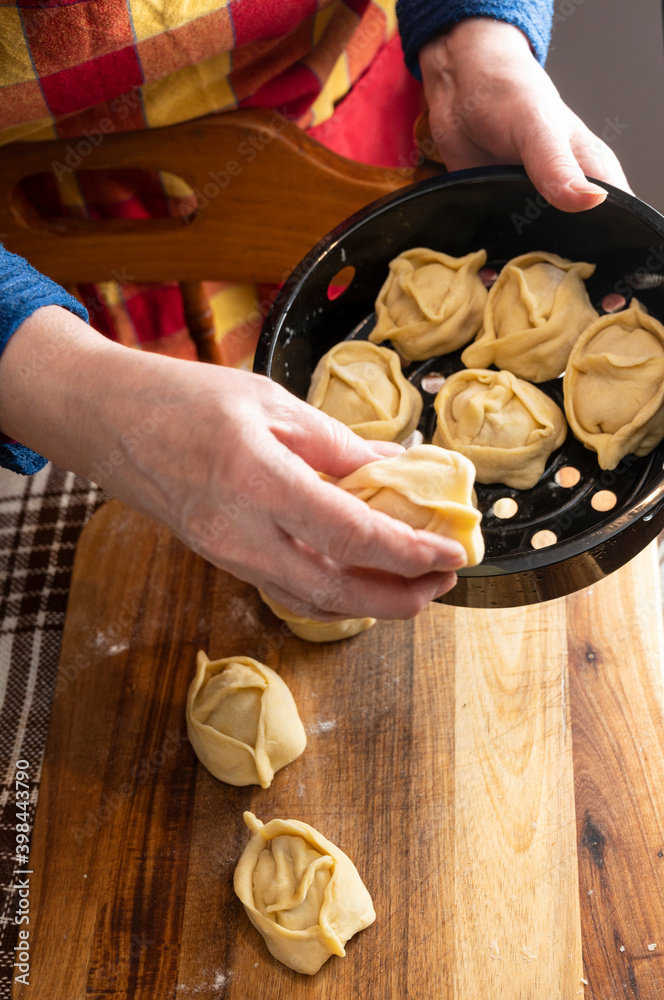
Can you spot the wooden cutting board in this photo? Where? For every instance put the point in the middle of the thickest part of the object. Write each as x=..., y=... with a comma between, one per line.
x=496, y=776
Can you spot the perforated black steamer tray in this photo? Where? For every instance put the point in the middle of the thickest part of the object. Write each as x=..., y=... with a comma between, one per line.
x=499, y=210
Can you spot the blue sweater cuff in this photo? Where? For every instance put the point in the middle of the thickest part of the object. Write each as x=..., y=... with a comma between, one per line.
x=23, y=290
x=422, y=20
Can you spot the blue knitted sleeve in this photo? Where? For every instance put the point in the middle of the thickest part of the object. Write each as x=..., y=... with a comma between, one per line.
x=422, y=20
x=22, y=291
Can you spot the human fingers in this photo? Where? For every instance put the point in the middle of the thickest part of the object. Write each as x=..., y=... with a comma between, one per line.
x=554, y=170
x=386, y=599
x=271, y=517
x=320, y=587
x=554, y=165
x=281, y=489
x=334, y=522
x=559, y=154
x=594, y=156
x=249, y=543
x=516, y=115
x=344, y=528
x=325, y=444
x=533, y=129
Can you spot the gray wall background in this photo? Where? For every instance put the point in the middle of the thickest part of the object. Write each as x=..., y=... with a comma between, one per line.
x=607, y=61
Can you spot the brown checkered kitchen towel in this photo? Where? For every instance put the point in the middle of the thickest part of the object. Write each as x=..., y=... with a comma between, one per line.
x=41, y=518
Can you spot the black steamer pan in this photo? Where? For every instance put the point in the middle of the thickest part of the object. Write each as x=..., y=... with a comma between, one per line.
x=579, y=523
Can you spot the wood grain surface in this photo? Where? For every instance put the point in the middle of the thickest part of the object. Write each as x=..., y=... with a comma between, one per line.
x=267, y=193
x=497, y=778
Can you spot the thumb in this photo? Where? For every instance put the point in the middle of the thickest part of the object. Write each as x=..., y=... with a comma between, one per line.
x=555, y=172
x=329, y=446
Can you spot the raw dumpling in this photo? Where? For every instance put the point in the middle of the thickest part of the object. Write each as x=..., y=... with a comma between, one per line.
x=614, y=386
x=506, y=427
x=427, y=487
x=301, y=892
x=242, y=721
x=363, y=386
x=313, y=631
x=535, y=311
x=431, y=303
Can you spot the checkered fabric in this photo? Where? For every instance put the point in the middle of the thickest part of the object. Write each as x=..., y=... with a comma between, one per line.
x=40, y=521
x=65, y=66
x=93, y=67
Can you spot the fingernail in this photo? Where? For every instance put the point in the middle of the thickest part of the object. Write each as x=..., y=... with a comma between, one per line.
x=385, y=449
x=582, y=186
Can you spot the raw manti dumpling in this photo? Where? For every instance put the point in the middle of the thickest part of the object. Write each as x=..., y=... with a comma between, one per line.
x=505, y=426
x=301, y=892
x=535, y=312
x=614, y=386
x=362, y=385
x=429, y=488
x=431, y=303
x=313, y=631
x=242, y=720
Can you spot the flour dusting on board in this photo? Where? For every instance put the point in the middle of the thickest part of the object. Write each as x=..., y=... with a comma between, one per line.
x=216, y=986
x=238, y=612
x=323, y=726
x=105, y=641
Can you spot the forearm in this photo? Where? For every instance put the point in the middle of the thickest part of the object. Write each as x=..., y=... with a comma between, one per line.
x=92, y=406
x=23, y=290
x=50, y=375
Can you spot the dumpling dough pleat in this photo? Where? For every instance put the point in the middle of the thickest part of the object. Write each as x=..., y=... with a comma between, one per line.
x=302, y=893
x=431, y=303
x=242, y=720
x=429, y=488
x=363, y=386
x=614, y=386
x=313, y=631
x=505, y=426
x=535, y=312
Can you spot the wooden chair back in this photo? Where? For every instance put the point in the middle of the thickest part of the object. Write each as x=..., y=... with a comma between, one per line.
x=266, y=194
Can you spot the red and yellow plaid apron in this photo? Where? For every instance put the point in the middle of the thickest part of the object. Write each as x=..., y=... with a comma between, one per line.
x=333, y=67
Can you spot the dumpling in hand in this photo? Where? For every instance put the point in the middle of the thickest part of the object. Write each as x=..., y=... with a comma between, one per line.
x=314, y=631
x=614, y=386
x=301, y=892
x=242, y=721
x=506, y=427
x=427, y=487
x=535, y=312
x=363, y=386
x=431, y=303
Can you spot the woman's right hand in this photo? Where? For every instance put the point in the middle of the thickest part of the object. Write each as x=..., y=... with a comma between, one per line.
x=229, y=461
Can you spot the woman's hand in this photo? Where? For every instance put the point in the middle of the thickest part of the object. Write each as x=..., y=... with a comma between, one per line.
x=491, y=102
x=229, y=461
